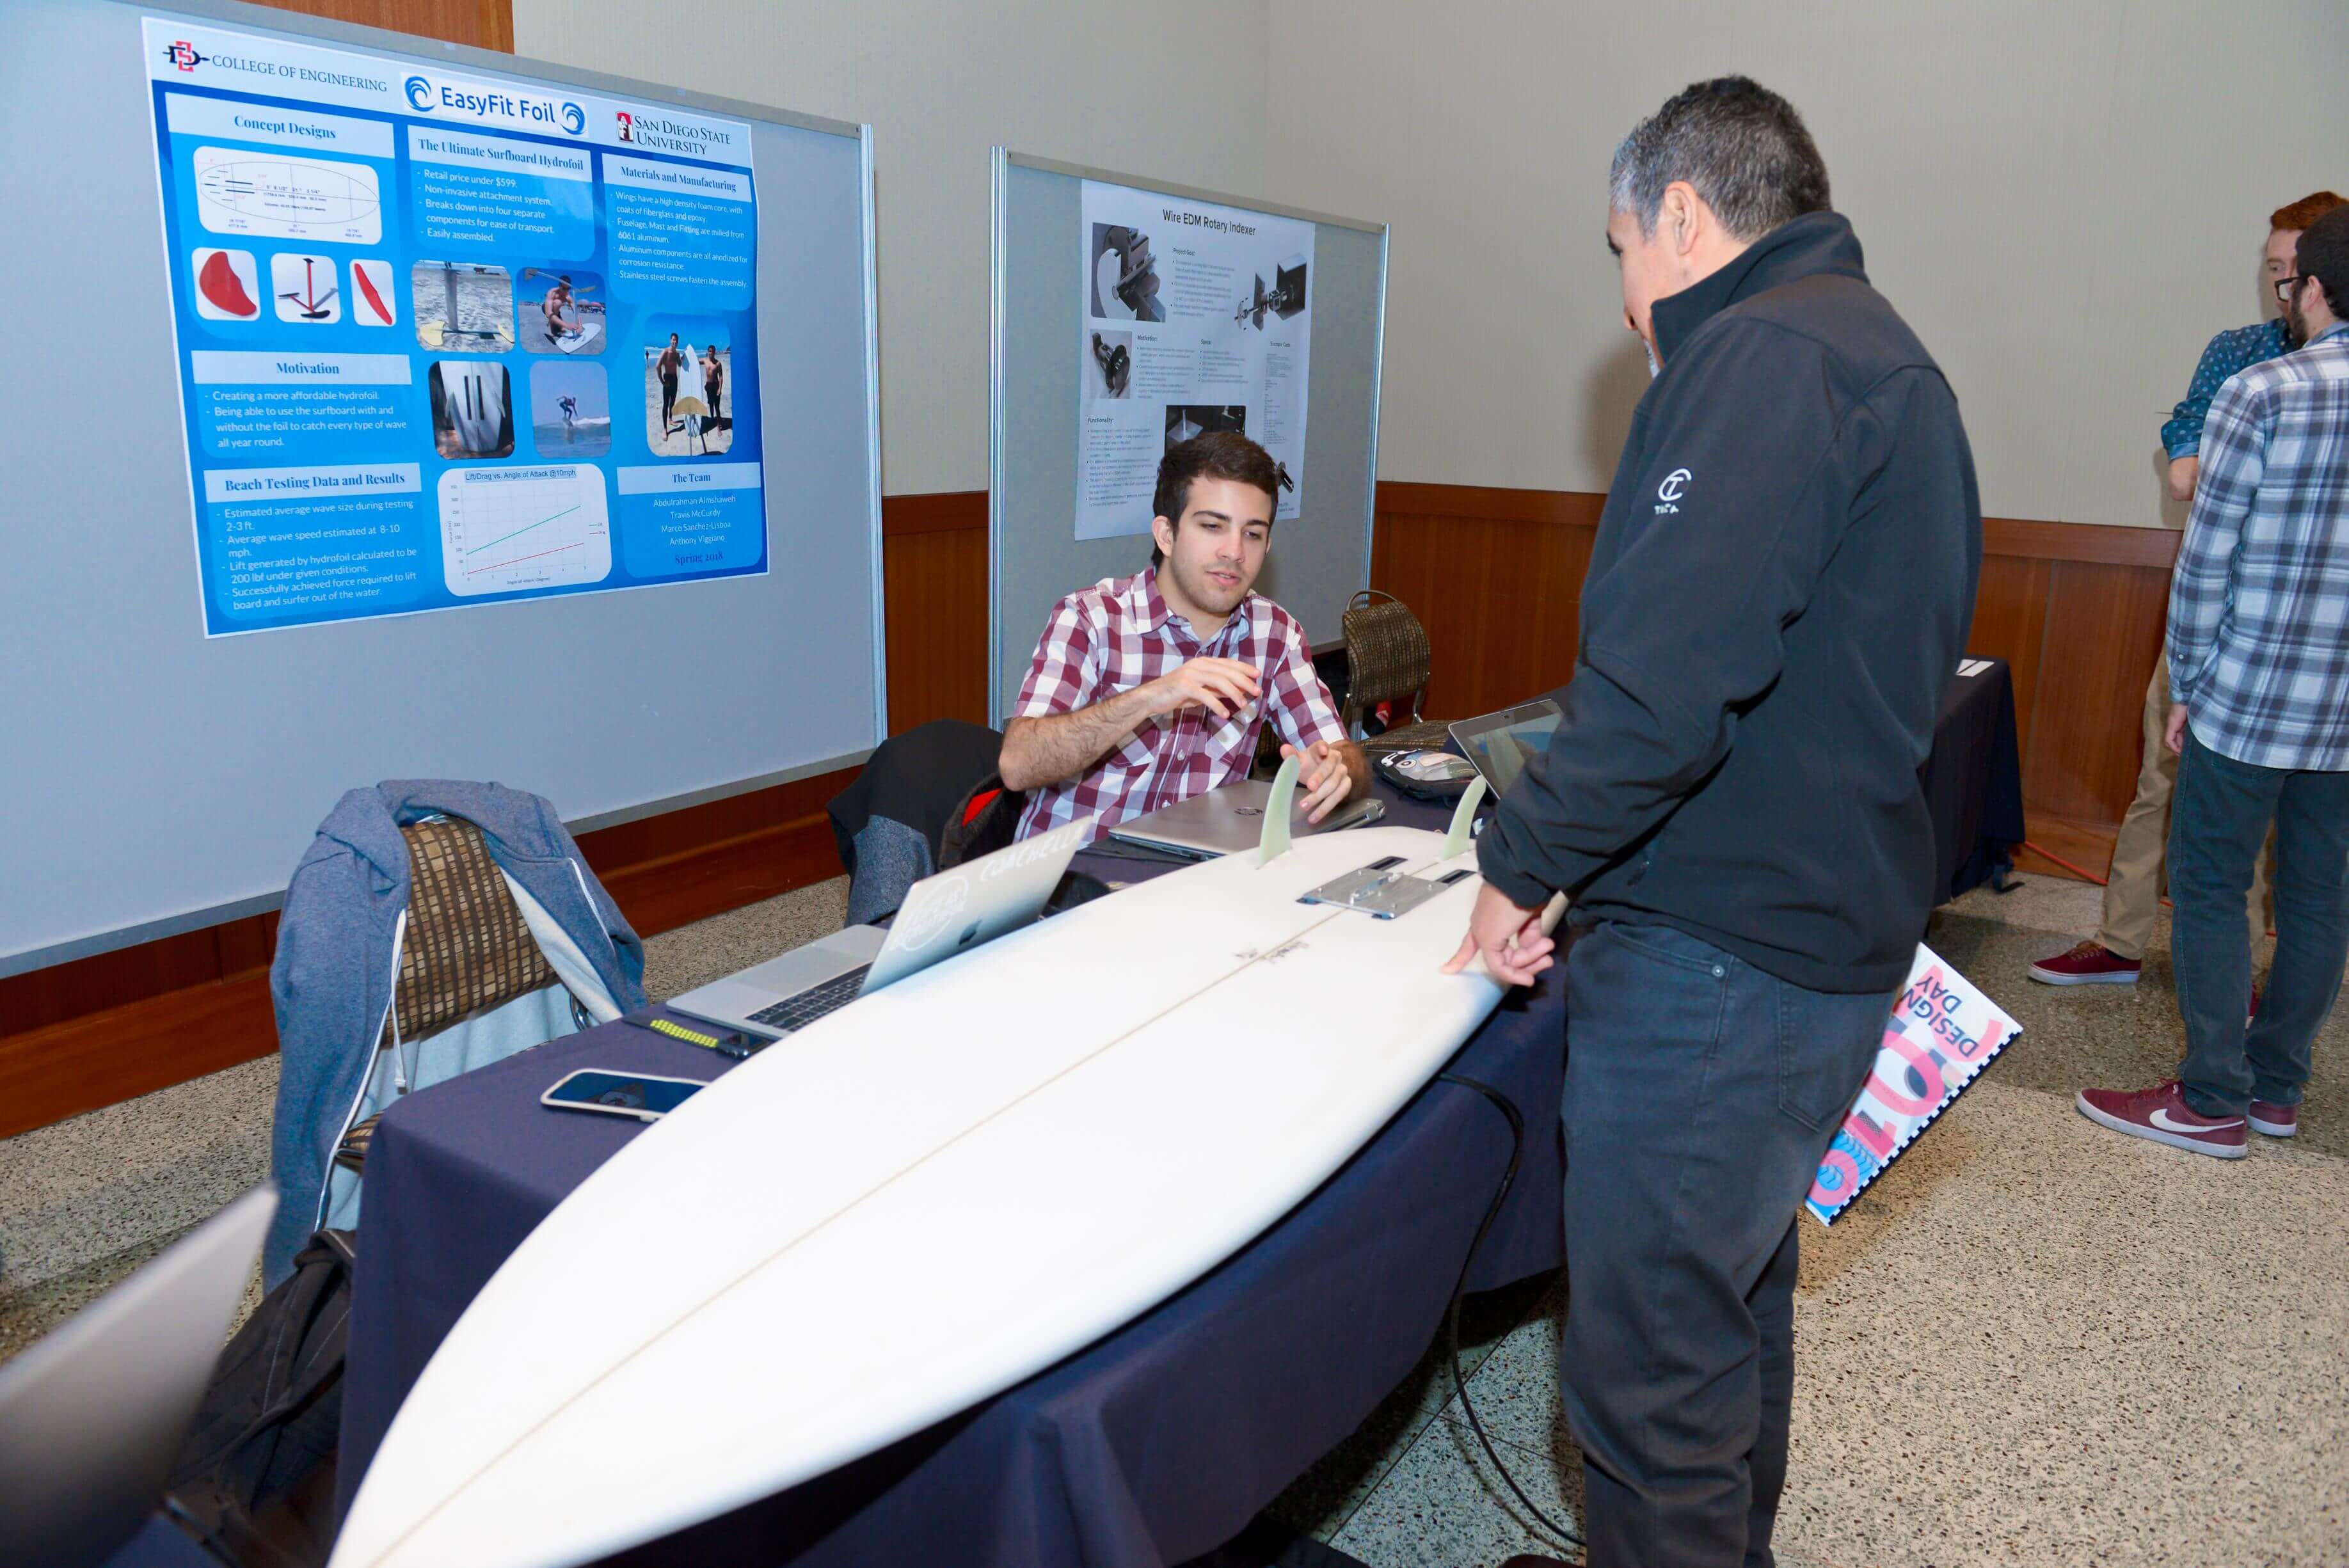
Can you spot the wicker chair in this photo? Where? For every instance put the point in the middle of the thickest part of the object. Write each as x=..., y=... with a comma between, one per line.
x=1388, y=658
x=467, y=951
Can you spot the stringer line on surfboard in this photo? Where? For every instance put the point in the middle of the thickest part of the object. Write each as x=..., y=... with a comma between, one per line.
x=1253, y=960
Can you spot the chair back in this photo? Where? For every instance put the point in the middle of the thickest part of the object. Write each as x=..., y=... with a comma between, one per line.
x=468, y=950
x=1388, y=656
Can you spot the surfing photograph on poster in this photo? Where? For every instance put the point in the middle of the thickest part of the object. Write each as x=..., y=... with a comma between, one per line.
x=562, y=310
x=689, y=410
x=569, y=409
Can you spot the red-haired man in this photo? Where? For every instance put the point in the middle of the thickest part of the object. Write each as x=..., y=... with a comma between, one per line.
x=2114, y=956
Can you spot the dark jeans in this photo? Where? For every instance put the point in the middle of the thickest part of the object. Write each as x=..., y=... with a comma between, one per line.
x=2217, y=823
x=1700, y=1096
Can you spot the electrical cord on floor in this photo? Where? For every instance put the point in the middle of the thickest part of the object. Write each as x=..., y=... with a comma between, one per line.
x=1452, y=1318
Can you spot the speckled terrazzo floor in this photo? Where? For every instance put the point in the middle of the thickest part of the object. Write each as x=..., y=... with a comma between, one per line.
x=2033, y=1342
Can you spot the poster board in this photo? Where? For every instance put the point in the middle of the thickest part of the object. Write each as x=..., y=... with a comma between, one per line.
x=183, y=748
x=1297, y=289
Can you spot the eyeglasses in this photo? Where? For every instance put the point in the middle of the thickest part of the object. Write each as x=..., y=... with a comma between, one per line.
x=2283, y=287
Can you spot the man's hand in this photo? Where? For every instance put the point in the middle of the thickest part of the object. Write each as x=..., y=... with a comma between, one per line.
x=2173, y=734
x=1323, y=774
x=2183, y=472
x=1222, y=687
x=1515, y=946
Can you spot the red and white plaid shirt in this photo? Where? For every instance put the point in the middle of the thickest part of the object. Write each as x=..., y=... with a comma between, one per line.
x=1119, y=634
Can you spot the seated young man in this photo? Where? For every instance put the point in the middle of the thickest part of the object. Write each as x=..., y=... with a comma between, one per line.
x=1150, y=689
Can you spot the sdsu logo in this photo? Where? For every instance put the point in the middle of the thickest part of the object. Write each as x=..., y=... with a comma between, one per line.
x=1668, y=494
x=182, y=55
x=627, y=125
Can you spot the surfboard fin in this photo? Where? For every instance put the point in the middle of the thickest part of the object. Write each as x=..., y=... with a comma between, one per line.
x=1275, y=843
x=1463, y=816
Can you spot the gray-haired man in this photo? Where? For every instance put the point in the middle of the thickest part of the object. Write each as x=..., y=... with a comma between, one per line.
x=1781, y=585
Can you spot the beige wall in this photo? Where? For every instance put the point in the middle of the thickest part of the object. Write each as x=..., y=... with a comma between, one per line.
x=1178, y=92
x=2064, y=199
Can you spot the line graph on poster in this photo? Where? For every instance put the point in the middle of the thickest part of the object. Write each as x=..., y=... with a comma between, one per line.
x=509, y=530
x=289, y=197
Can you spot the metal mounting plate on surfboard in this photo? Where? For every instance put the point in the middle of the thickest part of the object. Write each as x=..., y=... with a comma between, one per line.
x=1383, y=889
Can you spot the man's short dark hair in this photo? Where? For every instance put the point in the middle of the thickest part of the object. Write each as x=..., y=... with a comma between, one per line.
x=1742, y=147
x=1216, y=455
x=2323, y=254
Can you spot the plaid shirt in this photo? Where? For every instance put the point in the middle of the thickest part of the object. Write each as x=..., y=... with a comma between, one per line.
x=1118, y=634
x=2259, y=610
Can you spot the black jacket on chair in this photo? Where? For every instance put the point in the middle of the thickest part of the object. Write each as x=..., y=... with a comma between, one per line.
x=1780, y=589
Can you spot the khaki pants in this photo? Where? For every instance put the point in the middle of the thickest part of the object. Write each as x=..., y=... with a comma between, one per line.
x=2133, y=895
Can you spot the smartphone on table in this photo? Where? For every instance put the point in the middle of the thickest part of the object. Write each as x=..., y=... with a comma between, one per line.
x=645, y=1097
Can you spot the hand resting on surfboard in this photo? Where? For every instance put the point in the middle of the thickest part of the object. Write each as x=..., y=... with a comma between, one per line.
x=1514, y=941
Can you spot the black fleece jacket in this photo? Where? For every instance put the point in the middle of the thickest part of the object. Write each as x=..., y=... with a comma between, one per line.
x=1779, y=591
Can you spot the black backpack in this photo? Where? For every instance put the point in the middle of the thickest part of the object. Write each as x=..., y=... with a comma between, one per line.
x=255, y=1480
x=986, y=819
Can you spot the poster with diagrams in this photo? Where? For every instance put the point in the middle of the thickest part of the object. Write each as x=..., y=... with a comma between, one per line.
x=1197, y=317
x=445, y=341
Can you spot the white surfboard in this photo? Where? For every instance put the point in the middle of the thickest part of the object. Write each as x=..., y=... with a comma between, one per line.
x=920, y=1200
x=579, y=335
x=691, y=393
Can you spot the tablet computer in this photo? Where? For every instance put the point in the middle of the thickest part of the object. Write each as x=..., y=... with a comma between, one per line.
x=1499, y=743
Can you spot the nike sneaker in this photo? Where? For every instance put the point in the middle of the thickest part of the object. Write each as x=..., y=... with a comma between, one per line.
x=2161, y=1114
x=2089, y=963
x=2275, y=1120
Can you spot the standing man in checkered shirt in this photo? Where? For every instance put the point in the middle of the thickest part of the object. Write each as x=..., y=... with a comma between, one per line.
x=2259, y=681
x=1149, y=690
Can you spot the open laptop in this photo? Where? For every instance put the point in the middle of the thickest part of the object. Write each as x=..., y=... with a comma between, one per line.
x=1230, y=818
x=945, y=914
x=93, y=1417
x=1499, y=744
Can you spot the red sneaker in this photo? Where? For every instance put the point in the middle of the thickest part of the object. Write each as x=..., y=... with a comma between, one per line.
x=2089, y=964
x=2275, y=1120
x=2162, y=1114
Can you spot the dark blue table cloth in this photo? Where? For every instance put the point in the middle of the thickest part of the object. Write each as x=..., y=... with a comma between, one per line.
x=1973, y=778
x=1154, y=1445
x=161, y=1543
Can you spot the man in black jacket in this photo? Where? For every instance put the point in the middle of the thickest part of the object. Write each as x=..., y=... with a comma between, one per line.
x=1779, y=591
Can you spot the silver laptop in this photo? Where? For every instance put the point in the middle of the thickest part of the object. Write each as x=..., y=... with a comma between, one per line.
x=92, y=1416
x=1230, y=818
x=950, y=912
x=1500, y=744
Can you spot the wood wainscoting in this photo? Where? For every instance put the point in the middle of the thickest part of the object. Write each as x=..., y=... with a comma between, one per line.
x=484, y=23
x=1496, y=575
x=2075, y=608
x=98, y=1030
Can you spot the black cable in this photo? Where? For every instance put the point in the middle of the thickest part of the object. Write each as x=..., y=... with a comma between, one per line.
x=1492, y=1213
